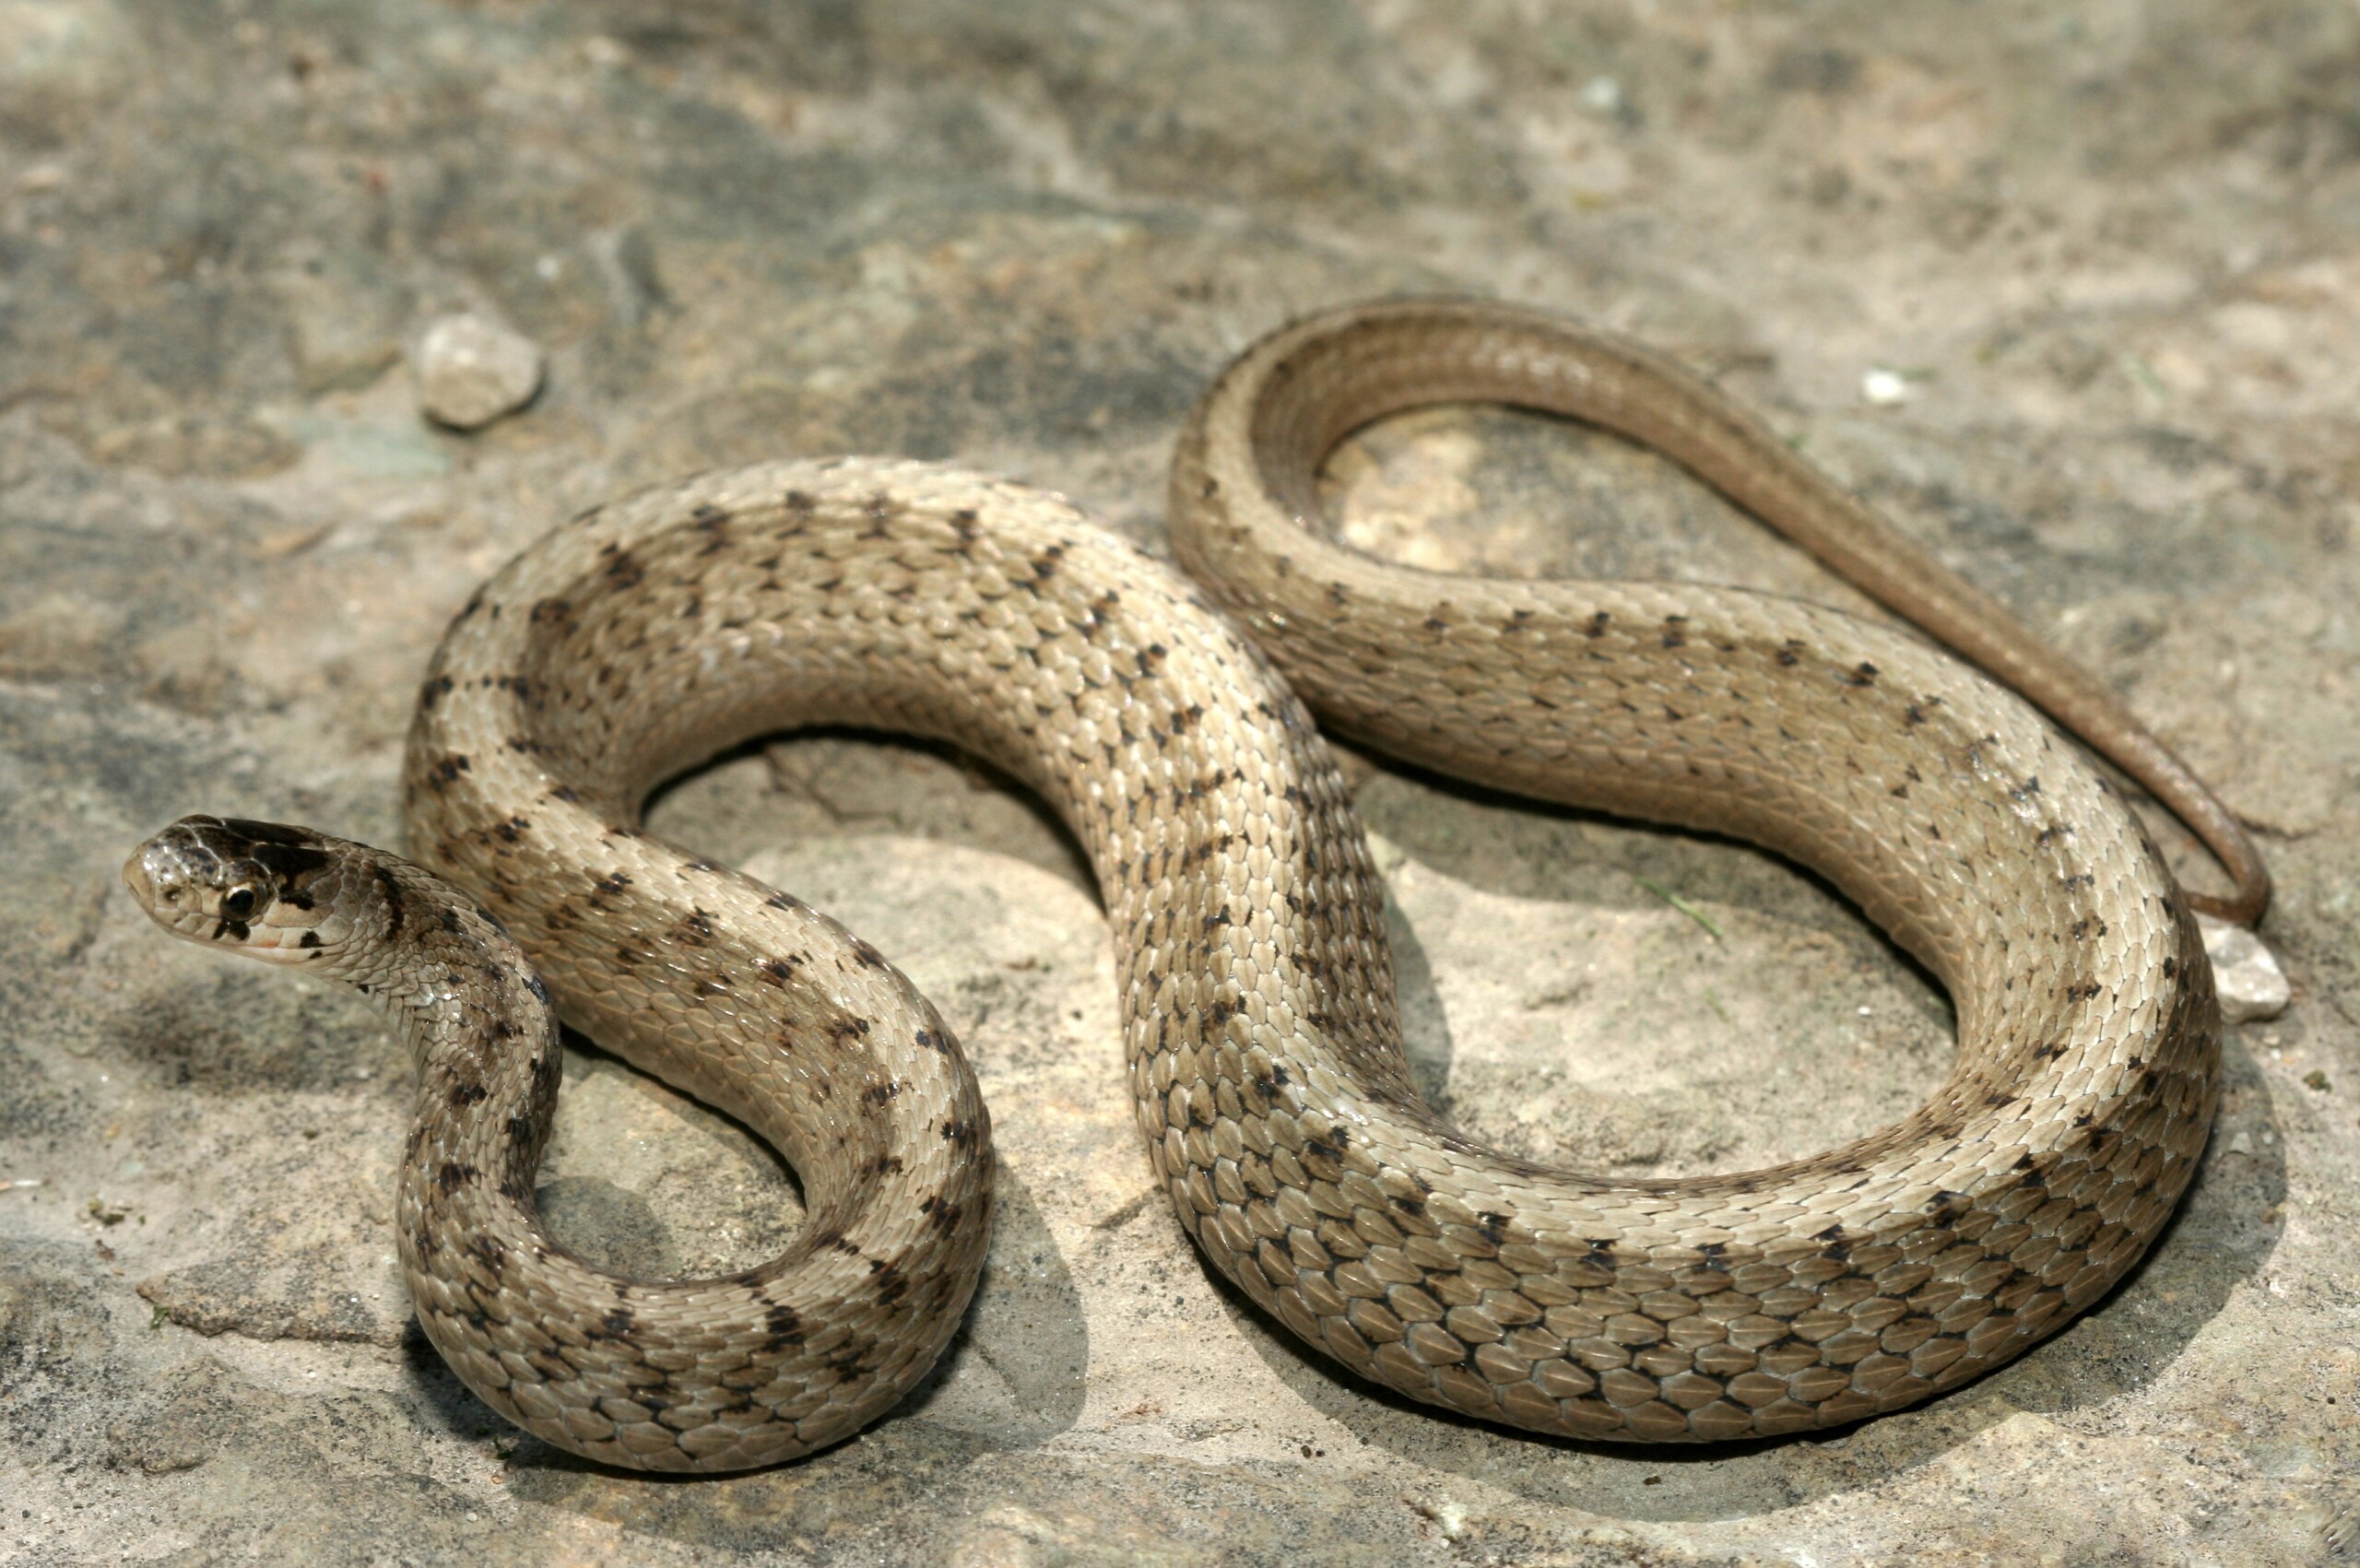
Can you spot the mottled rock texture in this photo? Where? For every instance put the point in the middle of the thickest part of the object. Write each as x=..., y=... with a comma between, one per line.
x=2110, y=251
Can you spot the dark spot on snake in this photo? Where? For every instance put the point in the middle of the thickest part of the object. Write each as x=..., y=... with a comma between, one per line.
x=798, y=504
x=434, y=692
x=1436, y=624
x=2049, y=1053
x=236, y=930
x=884, y=1165
x=541, y=991
x=2171, y=967
x=551, y=612
x=957, y=1131
x=309, y=939
x=1598, y=625
x=622, y=568
x=696, y=928
x=396, y=908
x=848, y=1028
x=2083, y=991
x=1494, y=1226
x=1675, y=634
x=2026, y=790
x=1861, y=674
x=1792, y=653
x=877, y=1094
x=782, y=1328
x=612, y=882
x=867, y=954
x=465, y=1094
x=782, y=901
x=454, y=1175
x=927, y=1040
x=619, y=1323
x=445, y=771
x=779, y=970
x=450, y=920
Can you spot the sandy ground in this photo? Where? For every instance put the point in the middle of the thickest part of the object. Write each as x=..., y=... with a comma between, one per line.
x=2106, y=254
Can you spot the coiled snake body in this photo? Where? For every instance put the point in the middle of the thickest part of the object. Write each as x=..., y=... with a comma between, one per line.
x=1270, y=1084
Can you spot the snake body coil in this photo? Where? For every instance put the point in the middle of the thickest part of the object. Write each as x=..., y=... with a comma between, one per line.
x=1260, y=1023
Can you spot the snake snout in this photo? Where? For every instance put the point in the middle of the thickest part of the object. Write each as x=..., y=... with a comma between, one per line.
x=165, y=878
x=154, y=878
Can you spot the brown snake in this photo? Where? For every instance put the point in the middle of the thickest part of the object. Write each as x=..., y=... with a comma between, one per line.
x=1270, y=1082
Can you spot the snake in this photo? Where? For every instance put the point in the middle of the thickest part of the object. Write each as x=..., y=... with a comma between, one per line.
x=1168, y=719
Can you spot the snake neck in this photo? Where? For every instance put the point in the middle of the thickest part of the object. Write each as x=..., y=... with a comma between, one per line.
x=481, y=1029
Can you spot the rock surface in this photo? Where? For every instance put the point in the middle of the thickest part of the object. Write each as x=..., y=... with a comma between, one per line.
x=2110, y=254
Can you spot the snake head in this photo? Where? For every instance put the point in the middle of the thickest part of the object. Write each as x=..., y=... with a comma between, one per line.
x=248, y=885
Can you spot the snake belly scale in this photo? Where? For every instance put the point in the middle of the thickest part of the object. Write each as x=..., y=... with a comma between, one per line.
x=1269, y=1081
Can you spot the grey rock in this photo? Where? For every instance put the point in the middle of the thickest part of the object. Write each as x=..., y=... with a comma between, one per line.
x=2251, y=985
x=470, y=371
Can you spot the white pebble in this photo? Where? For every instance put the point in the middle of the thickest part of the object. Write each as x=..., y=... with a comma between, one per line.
x=2249, y=979
x=1884, y=388
x=470, y=371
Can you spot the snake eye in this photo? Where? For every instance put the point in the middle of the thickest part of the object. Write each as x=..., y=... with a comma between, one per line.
x=238, y=902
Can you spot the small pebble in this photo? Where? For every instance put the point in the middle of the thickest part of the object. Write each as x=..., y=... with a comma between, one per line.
x=470, y=371
x=1884, y=388
x=2249, y=979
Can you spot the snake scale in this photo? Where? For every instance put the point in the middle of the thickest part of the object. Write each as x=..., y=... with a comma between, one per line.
x=1270, y=1084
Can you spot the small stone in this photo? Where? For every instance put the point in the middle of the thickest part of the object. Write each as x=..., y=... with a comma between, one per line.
x=470, y=371
x=2249, y=979
x=1883, y=388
